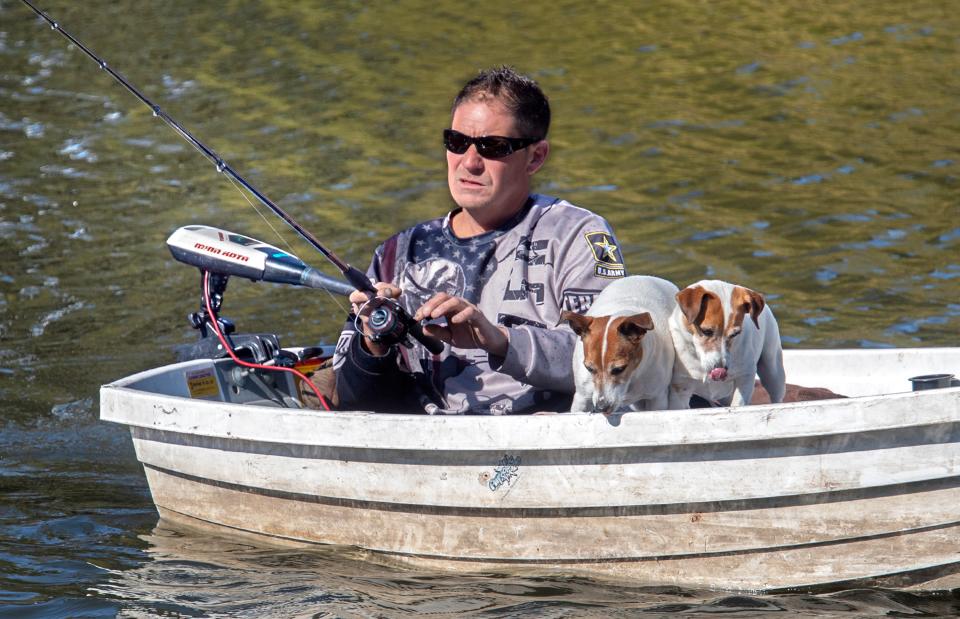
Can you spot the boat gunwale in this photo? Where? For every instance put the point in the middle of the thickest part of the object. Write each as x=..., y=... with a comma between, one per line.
x=561, y=431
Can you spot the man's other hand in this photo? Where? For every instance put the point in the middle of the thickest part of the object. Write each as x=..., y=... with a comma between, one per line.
x=466, y=326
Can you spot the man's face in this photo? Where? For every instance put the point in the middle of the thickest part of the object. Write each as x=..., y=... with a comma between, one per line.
x=491, y=190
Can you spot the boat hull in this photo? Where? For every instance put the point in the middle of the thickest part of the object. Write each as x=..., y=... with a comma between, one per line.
x=768, y=497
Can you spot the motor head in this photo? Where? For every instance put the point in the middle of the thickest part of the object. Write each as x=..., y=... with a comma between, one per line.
x=228, y=253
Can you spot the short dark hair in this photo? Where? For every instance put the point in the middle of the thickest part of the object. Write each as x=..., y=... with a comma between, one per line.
x=520, y=94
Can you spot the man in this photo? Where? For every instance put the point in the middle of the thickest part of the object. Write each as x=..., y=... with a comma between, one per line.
x=492, y=277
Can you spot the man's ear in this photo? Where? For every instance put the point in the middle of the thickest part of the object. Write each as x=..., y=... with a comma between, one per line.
x=538, y=156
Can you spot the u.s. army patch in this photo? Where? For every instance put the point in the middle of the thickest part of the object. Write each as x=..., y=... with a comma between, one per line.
x=606, y=253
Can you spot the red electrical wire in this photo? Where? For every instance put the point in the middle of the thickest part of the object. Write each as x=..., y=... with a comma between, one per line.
x=237, y=360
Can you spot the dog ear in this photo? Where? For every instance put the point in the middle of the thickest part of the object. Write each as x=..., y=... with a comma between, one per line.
x=578, y=322
x=751, y=302
x=634, y=327
x=693, y=303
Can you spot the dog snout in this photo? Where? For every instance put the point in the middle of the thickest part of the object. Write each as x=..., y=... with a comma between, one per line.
x=602, y=405
x=715, y=366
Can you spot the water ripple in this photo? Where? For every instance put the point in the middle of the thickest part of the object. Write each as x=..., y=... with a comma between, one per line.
x=33, y=129
x=64, y=171
x=75, y=411
x=177, y=88
x=76, y=148
x=41, y=325
x=849, y=38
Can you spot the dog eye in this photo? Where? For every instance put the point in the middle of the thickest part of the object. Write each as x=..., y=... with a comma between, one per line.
x=590, y=369
x=707, y=332
x=617, y=370
x=734, y=333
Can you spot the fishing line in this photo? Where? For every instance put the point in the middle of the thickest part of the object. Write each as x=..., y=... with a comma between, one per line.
x=275, y=231
x=356, y=277
x=394, y=317
x=272, y=228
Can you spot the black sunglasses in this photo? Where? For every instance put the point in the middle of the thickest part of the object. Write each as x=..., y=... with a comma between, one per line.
x=488, y=146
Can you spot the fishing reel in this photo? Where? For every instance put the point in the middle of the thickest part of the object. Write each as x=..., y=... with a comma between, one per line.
x=388, y=322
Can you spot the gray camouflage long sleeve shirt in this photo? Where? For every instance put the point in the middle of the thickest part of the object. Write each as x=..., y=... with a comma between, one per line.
x=552, y=256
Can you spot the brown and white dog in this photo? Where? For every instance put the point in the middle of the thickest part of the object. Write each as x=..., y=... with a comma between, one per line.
x=623, y=359
x=724, y=335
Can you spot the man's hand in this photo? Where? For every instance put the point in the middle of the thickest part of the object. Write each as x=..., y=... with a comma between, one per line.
x=358, y=300
x=466, y=326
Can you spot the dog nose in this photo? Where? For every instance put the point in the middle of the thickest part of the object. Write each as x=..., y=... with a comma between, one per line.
x=602, y=405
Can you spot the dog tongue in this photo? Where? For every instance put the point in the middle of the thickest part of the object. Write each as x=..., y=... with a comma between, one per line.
x=718, y=373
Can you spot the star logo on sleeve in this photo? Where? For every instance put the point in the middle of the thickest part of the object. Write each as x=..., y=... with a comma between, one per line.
x=604, y=248
x=608, y=251
x=607, y=254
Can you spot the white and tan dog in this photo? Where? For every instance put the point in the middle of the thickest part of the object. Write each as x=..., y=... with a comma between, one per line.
x=719, y=352
x=623, y=359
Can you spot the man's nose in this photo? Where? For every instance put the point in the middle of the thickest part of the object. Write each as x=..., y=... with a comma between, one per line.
x=472, y=159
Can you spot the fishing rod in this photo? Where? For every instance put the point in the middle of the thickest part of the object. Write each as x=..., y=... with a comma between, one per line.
x=388, y=319
x=353, y=275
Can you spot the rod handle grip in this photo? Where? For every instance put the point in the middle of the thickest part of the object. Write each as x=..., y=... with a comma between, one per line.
x=358, y=280
x=434, y=345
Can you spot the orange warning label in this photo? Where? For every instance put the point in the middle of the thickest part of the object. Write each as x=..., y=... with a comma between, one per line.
x=202, y=384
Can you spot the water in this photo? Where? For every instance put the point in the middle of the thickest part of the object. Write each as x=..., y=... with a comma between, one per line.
x=805, y=149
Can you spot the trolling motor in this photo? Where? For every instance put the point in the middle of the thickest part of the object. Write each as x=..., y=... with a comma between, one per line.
x=223, y=254
x=220, y=254
x=229, y=253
